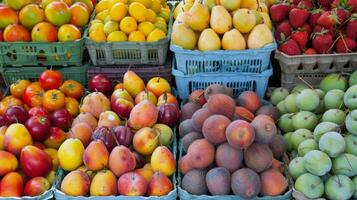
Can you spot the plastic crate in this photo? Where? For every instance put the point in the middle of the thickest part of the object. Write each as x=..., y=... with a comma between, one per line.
x=238, y=81
x=13, y=74
x=121, y=53
x=312, y=69
x=184, y=195
x=116, y=72
x=42, y=53
x=59, y=195
x=250, y=60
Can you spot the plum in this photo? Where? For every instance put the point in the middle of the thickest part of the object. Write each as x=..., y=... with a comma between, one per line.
x=333, y=81
x=290, y=103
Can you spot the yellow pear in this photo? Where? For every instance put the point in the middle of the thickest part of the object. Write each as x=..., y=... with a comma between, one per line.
x=181, y=7
x=258, y=17
x=182, y=35
x=233, y=40
x=230, y=5
x=221, y=20
x=260, y=36
x=266, y=19
x=244, y=20
x=198, y=17
x=179, y=19
x=70, y=154
x=133, y=83
x=209, y=40
x=209, y=3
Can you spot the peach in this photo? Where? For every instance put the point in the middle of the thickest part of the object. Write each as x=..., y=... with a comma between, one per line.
x=7, y=16
x=240, y=134
x=264, y=128
x=214, y=129
x=81, y=131
x=16, y=33
x=121, y=160
x=229, y=157
x=201, y=153
x=44, y=32
x=188, y=110
x=273, y=183
x=132, y=184
x=199, y=117
x=144, y=114
x=184, y=164
x=104, y=184
x=55, y=138
x=36, y=186
x=249, y=100
x=11, y=185
x=198, y=97
x=258, y=157
x=76, y=183
x=221, y=104
x=146, y=173
x=16, y=137
x=8, y=162
x=159, y=185
x=162, y=160
x=243, y=114
x=96, y=155
x=146, y=140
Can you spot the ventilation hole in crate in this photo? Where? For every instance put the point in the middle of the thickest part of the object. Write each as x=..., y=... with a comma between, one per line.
x=331, y=66
x=12, y=55
x=41, y=56
x=300, y=67
x=315, y=67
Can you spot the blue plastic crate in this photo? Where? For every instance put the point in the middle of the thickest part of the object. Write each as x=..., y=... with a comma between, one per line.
x=238, y=81
x=190, y=62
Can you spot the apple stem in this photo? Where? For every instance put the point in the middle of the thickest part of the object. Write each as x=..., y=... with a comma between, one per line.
x=310, y=86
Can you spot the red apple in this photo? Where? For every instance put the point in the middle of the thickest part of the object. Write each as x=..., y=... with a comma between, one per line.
x=36, y=186
x=132, y=184
x=169, y=114
x=38, y=111
x=62, y=119
x=39, y=127
x=100, y=83
x=15, y=114
x=122, y=107
x=35, y=162
x=55, y=138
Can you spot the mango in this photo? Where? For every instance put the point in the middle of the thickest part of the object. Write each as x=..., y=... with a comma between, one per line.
x=7, y=16
x=146, y=173
x=70, y=154
x=58, y=13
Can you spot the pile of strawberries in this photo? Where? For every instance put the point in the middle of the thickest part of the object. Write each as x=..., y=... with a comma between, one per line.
x=315, y=26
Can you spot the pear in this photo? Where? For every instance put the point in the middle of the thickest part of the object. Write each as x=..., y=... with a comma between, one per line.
x=133, y=83
x=182, y=35
x=266, y=19
x=230, y=5
x=198, y=17
x=244, y=20
x=221, y=20
x=209, y=40
x=260, y=36
x=181, y=7
x=258, y=17
x=209, y=3
x=233, y=40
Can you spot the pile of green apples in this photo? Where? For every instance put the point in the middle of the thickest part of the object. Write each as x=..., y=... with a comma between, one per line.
x=319, y=126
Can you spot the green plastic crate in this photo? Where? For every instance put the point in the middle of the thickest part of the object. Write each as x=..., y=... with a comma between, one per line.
x=42, y=53
x=122, y=53
x=12, y=74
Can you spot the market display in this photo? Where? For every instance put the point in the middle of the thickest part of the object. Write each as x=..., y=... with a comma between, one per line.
x=34, y=118
x=47, y=21
x=121, y=145
x=319, y=131
x=133, y=21
x=231, y=145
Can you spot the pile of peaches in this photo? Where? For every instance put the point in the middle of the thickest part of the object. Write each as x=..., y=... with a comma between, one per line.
x=120, y=143
x=33, y=122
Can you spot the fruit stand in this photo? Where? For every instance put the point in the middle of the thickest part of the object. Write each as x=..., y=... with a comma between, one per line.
x=166, y=100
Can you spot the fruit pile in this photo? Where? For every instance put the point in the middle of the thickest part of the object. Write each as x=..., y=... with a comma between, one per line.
x=321, y=27
x=133, y=21
x=32, y=120
x=319, y=128
x=48, y=21
x=228, y=147
x=228, y=25
x=124, y=151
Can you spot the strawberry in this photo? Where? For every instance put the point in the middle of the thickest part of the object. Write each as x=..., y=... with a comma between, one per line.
x=319, y=28
x=296, y=2
x=283, y=28
x=327, y=19
x=322, y=42
x=305, y=4
x=335, y=4
x=279, y=12
x=325, y=3
x=306, y=27
x=310, y=51
x=351, y=28
x=298, y=17
x=315, y=14
x=345, y=45
x=353, y=4
x=301, y=37
x=290, y=47
x=342, y=14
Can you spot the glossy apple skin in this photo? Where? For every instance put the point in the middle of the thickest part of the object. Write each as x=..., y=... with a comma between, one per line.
x=100, y=83
x=15, y=114
x=55, y=138
x=169, y=114
x=62, y=118
x=35, y=162
x=39, y=127
x=122, y=107
x=36, y=186
x=38, y=111
x=12, y=185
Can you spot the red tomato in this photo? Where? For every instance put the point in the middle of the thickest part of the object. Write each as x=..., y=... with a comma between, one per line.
x=33, y=95
x=51, y=79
